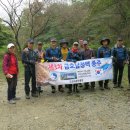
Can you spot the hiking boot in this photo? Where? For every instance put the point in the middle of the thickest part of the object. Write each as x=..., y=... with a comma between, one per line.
x=106, y=86
x=53, y=90
x=34, y=95
x=61, y=90
x=27, y=96
x=12, y=102
x=86, y=87
x=39, y=90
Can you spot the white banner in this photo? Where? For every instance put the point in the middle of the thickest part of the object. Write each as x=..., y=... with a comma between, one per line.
x=60, y=73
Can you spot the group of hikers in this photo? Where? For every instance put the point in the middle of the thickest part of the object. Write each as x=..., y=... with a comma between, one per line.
x=79, y=51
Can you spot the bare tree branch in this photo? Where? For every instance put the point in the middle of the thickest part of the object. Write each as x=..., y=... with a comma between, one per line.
x=41, y=31
x=14, y=19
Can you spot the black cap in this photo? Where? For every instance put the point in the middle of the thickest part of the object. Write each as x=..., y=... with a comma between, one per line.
x=30, y=40
x=53, y=40
x=105, y=39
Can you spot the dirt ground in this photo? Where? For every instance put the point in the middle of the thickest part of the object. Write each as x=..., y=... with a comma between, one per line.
x=107, y=110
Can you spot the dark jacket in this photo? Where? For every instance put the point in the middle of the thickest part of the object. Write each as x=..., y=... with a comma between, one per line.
x=29, y=58
x=74, y=56
x=50, y=52
x=119, y=53
x=87, y=54
x=103, y=52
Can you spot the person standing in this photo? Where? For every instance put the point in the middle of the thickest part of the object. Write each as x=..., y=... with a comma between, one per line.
x=53, y=54
x=119, y=54
x=74, y=56
x=29, y=58
x=41, y=58
x=64, y=48
x=10, y=69
x=81, y=41
x=104, y=52
x=64, y=51
x=87, y=54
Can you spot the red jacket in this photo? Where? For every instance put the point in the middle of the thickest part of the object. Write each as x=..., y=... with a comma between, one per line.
x=10, y=64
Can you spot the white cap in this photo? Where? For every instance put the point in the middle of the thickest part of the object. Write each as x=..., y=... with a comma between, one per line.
x=85, y=42
x=75, y=43
x=10, y=45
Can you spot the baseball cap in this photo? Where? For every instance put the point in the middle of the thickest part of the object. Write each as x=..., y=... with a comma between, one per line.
x=10, y=45
x=39, y=43
x=30, y=40
x=119, y=39
x=53, y=40
x=85, y=42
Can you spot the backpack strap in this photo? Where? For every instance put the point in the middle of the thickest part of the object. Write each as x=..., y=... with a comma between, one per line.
x=7, y=53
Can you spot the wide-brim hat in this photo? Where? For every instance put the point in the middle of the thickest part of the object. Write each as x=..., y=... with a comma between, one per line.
x=105, y=39
x=64, y=41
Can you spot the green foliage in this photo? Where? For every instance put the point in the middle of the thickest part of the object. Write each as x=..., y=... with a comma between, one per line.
x=6, y=35
x=83, y=19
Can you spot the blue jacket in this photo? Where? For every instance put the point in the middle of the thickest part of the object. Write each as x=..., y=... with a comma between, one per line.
x=73, y=57
x=119, y=53
x=103, y=52
x=50, y=52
